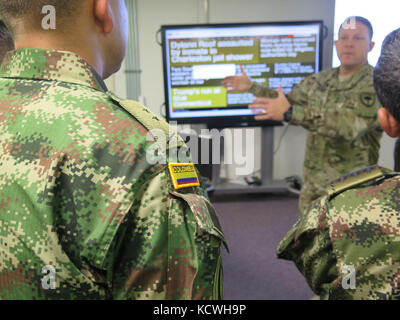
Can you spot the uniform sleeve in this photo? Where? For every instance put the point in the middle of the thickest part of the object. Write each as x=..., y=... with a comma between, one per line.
x=169, y=247
x=308, y=245
x=364, y=231
x=261, y=91
x=348, y=247
x=348, y=116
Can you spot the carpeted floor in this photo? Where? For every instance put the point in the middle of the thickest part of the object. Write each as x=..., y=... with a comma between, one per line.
x=254, y=226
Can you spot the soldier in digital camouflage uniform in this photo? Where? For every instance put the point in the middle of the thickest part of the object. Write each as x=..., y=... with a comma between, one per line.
x=348, y=245
x=90, y=208
x=338, y=107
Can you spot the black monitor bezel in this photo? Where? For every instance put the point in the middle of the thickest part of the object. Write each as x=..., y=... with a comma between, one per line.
x=231, y=121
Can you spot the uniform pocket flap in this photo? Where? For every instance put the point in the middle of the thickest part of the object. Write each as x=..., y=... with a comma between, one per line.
x=205, y=215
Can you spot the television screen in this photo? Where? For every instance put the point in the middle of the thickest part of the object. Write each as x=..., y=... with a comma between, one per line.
x=196, y=58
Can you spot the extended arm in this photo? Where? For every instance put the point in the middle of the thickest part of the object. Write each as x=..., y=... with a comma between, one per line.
x=342, y=117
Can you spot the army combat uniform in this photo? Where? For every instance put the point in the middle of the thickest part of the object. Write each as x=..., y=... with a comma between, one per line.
x=85, y=211
x=348, y=245
x=341, y=119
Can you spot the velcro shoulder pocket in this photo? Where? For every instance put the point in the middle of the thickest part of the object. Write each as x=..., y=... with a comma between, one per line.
x=206, y=218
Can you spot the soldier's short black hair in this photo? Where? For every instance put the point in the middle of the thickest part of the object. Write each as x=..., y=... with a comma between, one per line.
x=362, y=20
x=387, y=74
x=6, y=41
x=17, y=8
x=13, y=9
x=5, y=35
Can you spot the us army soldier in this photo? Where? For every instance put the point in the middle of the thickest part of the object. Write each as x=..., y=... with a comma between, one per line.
x=337, y=107
x=78, y=193
x=356, y=226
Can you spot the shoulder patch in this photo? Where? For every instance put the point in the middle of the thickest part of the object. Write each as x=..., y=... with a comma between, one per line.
x=356, y=178
x=183, y=175
x=367, y=99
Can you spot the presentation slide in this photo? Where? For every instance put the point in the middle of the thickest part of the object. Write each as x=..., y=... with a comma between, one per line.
x=198, y=59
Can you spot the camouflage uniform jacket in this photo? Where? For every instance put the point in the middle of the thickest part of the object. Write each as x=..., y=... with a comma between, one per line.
x=341, y=119
x=80, y=200
x=348, y=245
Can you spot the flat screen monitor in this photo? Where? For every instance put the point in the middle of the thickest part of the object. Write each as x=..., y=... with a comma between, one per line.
x=196, y=58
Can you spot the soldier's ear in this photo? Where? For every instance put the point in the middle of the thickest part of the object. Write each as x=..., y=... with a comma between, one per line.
x=388, y=123
x=371, y=46
x=103, y=15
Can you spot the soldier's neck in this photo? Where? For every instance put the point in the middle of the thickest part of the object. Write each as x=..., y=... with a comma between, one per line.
x=84, y=49
x=345, y=71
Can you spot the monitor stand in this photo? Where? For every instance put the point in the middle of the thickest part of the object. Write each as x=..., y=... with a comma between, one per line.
x=268, y=185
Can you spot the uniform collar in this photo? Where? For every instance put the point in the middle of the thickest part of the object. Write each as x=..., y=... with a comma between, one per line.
x=333, y=81
x=51, y=65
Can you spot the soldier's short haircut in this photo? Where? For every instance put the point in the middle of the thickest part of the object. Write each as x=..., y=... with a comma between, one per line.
x=362, y=20
x=387, y=74
x=6, y=41
x=14, y=9
x=5, y=35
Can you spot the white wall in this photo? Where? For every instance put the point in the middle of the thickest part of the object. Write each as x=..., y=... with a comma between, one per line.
x=154, y=13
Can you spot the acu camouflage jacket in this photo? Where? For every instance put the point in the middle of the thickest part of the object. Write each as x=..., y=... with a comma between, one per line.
x=341, y=120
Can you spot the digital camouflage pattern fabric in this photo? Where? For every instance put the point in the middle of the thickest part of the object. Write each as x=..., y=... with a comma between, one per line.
x=79, y=193
x=341, y=120
x=352, y=232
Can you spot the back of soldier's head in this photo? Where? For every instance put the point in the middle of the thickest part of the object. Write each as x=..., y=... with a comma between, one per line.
x=95, y=30
x=387, y=74
x=32, y=10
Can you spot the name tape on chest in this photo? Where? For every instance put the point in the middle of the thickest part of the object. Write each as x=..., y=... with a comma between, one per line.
x=183, y=175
